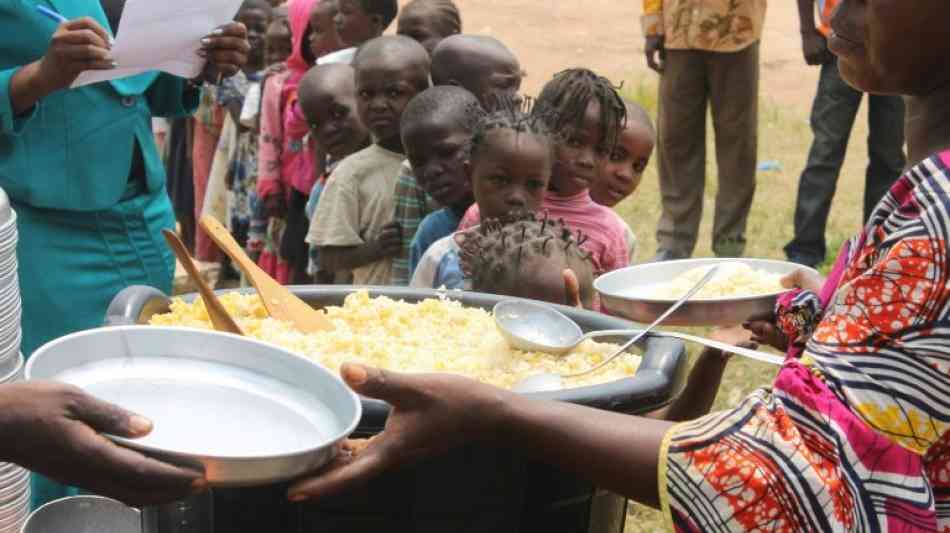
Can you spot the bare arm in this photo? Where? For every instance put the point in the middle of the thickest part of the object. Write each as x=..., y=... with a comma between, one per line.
x=339, y=258
x=433, y=414
x=806, y=15
x=701, y=389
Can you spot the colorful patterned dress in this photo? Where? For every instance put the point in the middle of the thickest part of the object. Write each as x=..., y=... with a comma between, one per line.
x=853, y=436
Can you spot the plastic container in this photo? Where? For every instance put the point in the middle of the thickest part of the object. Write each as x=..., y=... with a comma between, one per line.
x=472, y=489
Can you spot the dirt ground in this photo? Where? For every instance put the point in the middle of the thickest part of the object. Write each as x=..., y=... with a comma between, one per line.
x=605, y=35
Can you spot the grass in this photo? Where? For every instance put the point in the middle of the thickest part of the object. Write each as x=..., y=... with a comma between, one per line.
x=785, y=137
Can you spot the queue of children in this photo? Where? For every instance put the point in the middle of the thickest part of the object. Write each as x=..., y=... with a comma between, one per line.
x=341, y=155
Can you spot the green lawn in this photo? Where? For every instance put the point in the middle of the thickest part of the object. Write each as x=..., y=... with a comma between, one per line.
x=784, y=137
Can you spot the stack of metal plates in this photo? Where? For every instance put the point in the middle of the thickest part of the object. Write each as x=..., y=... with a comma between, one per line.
x=14, y=481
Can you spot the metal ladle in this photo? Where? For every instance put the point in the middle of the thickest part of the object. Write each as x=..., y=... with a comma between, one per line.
x=545, y=326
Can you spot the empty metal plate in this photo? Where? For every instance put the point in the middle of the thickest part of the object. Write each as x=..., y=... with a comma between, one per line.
x=246, y=412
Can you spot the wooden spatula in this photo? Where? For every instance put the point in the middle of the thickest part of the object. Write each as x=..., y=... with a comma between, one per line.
x=279, y=302
x=220, y=318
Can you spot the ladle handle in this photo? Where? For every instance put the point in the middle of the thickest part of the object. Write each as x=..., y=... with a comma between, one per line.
x=623, y=349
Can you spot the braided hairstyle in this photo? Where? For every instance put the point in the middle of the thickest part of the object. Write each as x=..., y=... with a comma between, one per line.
x=500, y=256
x=564, y=101
x=515, y=115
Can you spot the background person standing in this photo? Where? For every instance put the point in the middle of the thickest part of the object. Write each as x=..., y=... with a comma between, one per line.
x=833, y=112
x=706, y=52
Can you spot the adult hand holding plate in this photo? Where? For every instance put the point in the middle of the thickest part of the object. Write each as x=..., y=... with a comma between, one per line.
x=58, y=433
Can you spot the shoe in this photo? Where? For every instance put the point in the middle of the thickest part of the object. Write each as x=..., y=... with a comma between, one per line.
x=665, y=255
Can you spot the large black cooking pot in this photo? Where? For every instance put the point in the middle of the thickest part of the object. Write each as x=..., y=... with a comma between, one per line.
x=474, y=489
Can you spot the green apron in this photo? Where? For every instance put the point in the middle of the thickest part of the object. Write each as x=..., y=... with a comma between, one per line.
x=73, y=263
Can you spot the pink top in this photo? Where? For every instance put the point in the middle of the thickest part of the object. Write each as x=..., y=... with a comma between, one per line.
x=606, y=235
x=284, y=161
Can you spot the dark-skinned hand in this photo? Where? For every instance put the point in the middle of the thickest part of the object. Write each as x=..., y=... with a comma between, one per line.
x=388, y=242
x=655, y=50
x=431, y=414
x=226, y=49
x=76, y=46
x=815, y=48
x=56, y=430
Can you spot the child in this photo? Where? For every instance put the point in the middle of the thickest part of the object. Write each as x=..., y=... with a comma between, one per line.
x=589, y=115
x=524, y=255
x=328, y=101
x=323, y=39
x=629, y=158
x=283, y=162
x=487, y=69
x=481, y=64
x=353, y=225
x=358, y=22
x=624, y=167
x=511, y=159
x=279, y=48
x=233, y=177
x=527, y=256
x=279, y=38
x=437, y=130
x=429, y=21
x=216, y=103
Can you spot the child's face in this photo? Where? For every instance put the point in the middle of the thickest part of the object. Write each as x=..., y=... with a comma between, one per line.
x=383, y=89
x=623, y=170
x=510, y=173
x=580, y=155
x=354, y=25
x=279, y=45
x=422, y=26
x=495, y=78
x=436, y=148
x=257, y=21
x=323, y=36
x=334, y=121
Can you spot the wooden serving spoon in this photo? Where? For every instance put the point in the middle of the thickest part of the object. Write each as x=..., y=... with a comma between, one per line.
x=220, y=318
x=279, y=302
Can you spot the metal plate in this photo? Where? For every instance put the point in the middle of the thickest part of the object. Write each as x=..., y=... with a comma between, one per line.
x=247, y=412
x=624, y=293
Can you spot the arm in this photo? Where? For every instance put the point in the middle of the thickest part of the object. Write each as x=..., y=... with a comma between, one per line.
x=806, y=15
x=433, y=414
x=77, y=45
x=698, y=397
x=652, y=21
x=814, y=44
x=385, y=245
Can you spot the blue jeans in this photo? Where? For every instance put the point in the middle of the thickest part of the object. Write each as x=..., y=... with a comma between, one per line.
x=833, y=112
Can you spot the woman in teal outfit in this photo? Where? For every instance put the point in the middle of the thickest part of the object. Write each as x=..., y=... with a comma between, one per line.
x=81, y=166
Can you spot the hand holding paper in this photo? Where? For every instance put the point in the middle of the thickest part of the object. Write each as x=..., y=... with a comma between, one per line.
x=175, y=36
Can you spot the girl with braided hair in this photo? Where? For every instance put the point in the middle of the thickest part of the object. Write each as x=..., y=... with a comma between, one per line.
x=589, y=115
x=527, y=255
x=509, y=166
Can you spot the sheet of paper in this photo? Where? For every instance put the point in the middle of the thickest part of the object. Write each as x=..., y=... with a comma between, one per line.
x=163, y=35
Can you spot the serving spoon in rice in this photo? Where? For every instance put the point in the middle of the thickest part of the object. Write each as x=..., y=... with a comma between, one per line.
x=280, y=303
x=525, y=328
x=219, y=316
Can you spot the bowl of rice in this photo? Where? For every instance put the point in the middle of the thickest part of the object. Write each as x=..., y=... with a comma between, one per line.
x=741, y=290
